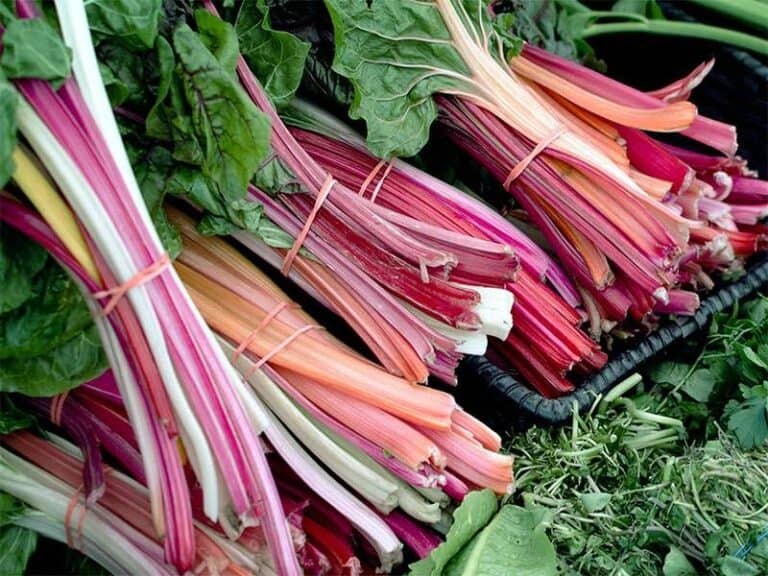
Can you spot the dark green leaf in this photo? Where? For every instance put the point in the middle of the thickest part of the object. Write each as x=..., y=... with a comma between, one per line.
x=11, y=508
x=277, y=58
x=33, y=49
x=7, y=132
x=11, y=418
x=219, y=38
x=133, y=70
x=158, y=119
x=77, y=360
x=54, y=315
x=232, y=132
x=16, y=546
x=116, y=88
x=20, y=261
x=132, y=22
x=397, y=56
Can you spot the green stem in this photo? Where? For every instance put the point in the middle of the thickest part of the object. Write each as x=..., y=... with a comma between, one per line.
x=749, y=12
x=688, y=29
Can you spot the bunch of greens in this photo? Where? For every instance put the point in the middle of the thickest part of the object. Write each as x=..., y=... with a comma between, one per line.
x=664, y=507
x=727, y=382
x=672, y=480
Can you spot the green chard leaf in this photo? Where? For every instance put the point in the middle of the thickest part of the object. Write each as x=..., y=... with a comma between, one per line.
x=277, y=58
x=217, y=36
x=475, y=512
x=397, y=55
x=16, y=546
x=20, y=262
x=512, y=543
x=233, y=134
x=7, y=131
x=12, y=418
x=77, y=360
x=128, y=74
x=48, y=342
x=133, y=23
x=56, y=314
x=33, y=49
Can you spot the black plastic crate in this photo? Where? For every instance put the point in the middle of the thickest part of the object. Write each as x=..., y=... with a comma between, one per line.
x=500, y=399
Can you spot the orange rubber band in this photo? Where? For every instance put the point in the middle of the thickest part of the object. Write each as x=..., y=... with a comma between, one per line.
x=381, y=181
x=57, y=407
x=370, y=177
x=73, y=503
x=291, y=256
x=281, y=346
x=538, y=149
x=116, y=293
x=263, y=324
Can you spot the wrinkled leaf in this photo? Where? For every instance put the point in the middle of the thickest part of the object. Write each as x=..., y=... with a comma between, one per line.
x=56, y=314
x=33, y=49
x=77, y=360
x=512, y=543
x=276, y=57
x=397, y=55
x=474, y=513
x=218, y=38
x=132, y=73
x=233, y=134
x=133, y=22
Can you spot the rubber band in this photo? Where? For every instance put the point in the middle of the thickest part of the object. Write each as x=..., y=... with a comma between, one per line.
x=71, y=507
x=57, y=407
x=263, y=324
x=291, y=256
x=117, y=293
x=372, y=175
x=281, y=346
x=538, y=149
x=369, y=178
x=381, y=181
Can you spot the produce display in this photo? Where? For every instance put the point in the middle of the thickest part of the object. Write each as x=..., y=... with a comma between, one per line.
x=238, y=282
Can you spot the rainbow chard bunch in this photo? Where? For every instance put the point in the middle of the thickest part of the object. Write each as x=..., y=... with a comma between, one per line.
x=173, y=376
x=416, y=292
x=637, y=224
x=212, y=366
